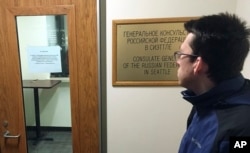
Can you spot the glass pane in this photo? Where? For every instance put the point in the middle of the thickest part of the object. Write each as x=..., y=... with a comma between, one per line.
x=43, y=50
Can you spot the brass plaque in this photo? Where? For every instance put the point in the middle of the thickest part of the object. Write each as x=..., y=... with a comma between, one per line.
x=143, y=51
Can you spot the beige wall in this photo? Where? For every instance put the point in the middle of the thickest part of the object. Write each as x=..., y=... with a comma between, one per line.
x=243, y=10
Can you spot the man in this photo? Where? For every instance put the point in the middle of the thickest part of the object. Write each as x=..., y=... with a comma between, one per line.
x=210, y=61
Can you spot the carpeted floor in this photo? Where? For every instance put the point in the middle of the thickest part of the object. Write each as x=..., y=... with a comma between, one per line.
x=51, y=142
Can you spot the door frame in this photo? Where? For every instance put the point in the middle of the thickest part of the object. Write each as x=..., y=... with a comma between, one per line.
x=102, y=74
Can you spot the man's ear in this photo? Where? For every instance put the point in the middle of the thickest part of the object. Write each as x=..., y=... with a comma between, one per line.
x=200, y=66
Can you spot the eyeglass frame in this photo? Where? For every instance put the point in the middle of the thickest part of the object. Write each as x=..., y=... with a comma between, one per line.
x=178, y=54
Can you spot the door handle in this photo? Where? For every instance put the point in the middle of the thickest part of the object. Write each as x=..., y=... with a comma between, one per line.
x=7, y=135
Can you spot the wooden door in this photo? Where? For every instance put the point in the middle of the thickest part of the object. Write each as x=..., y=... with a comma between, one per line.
x=83, y=72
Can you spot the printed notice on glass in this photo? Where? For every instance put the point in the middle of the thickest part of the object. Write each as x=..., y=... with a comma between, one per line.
x=44, y=59
x=143, y=51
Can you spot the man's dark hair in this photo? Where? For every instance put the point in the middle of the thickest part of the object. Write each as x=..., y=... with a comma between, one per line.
x=223, y=43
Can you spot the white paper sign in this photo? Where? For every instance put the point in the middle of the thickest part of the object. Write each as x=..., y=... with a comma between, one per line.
x=44, y=59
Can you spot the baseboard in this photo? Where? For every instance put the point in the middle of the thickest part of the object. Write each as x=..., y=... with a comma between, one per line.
x=49, y=128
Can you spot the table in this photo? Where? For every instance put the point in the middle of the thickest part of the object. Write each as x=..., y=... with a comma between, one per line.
x=36, y=85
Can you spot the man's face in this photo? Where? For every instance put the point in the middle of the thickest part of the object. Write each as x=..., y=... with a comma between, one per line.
x=185, y=71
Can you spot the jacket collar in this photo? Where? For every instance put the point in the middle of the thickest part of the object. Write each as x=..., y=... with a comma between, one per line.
x=211, y=97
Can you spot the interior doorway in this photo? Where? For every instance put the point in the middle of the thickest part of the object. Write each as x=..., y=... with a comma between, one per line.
x=43, y=51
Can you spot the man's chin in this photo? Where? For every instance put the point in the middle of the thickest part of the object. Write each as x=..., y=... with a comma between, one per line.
x=179, y=82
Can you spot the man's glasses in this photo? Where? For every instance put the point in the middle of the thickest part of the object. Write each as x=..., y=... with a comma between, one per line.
x=178, y=54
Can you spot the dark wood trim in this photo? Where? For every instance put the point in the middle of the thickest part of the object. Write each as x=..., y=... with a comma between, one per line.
x=49, y=128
